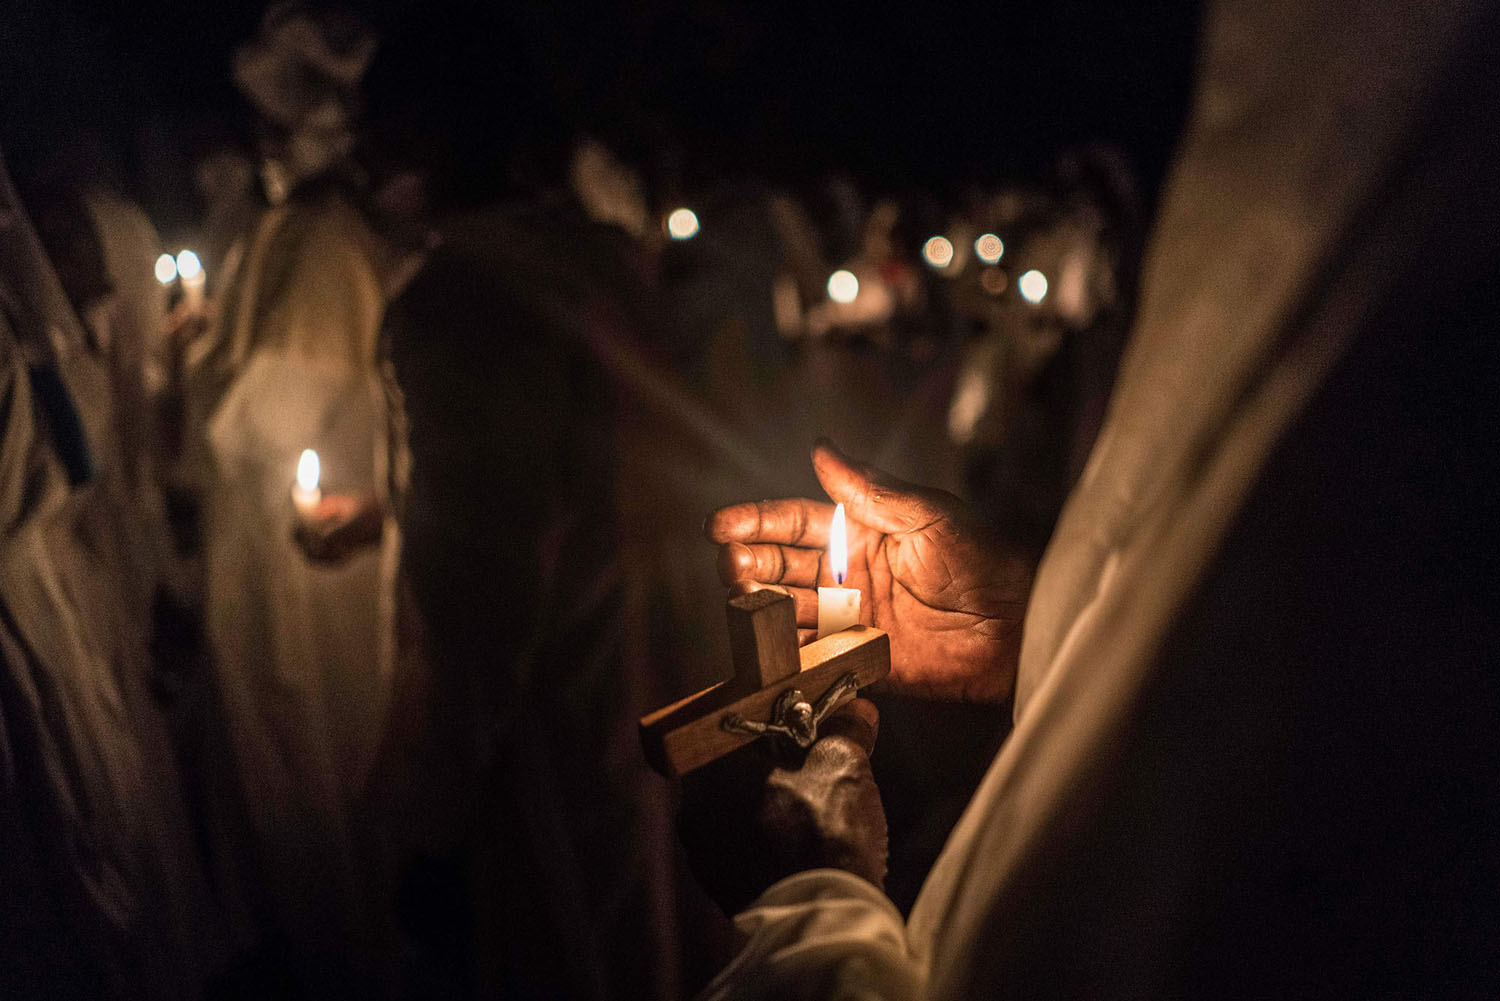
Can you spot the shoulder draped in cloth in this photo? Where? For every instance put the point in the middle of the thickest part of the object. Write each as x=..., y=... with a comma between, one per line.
x=302, y=653
x=1253, y=752
x=101, y=890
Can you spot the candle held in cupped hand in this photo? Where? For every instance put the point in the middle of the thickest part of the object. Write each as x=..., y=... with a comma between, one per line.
x=190, y=273
x=838, y=607
x=306, y=494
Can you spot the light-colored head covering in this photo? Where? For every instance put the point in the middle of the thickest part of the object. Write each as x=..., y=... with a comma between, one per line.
x=301, y=71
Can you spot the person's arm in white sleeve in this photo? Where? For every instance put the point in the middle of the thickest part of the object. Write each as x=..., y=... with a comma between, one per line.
x=825, y=934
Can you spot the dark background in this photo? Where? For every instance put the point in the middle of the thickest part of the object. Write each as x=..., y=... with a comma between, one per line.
x=915, y=100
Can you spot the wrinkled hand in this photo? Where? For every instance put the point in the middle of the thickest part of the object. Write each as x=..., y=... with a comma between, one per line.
x=748, y=822
x=951, y=594
x=342, y=525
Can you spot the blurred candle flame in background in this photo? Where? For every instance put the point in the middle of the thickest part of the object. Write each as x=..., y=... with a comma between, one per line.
x=188, y=265
x=843, y=286
x=989, y=248
x=938, y=252
x=309, y=470
x=1032, y=286
x=682, y=224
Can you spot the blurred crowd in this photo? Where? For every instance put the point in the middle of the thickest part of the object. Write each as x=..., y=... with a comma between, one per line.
x=347, y=536
x=379, y=739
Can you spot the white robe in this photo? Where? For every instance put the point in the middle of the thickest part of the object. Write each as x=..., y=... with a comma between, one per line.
x=1299, y=110
x=100, y=880
x=302, y=653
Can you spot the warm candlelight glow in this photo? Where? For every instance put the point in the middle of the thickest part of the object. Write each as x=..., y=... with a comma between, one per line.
x=989, y=248
x=308, y=470
x=838, y=546
x=188, y=265
x=682, y=224
x=938, y=252
x=305, y=493
x=843, y=286
x=1033, y=286
x=166, y=269
x=838, y=606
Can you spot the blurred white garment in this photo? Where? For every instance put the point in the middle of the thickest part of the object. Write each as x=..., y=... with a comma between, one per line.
x=303, y=652
x=103, y=894
x=1300, y=111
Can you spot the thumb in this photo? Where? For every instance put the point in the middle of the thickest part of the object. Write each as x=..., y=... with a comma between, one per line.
x=870, y=496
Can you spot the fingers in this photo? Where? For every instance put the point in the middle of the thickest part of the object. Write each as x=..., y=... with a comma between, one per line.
x=870, y=496
x=339, y=507
x=858, y=721
x=805, y=599
x=796, y=522
x=769, y=564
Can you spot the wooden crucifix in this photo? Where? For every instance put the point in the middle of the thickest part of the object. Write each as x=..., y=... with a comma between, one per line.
x=777, y=690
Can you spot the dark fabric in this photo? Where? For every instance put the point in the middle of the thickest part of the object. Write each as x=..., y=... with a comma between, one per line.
x=534, y=783
x=55, y=945
x=1306, y=804
x=55, y=407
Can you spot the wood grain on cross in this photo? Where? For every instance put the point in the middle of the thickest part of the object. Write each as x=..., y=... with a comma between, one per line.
x=767, y=663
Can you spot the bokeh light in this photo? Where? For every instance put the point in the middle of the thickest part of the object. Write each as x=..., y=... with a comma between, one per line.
x=166, y=269
x=309, y=470
x=1033, y=286
x=989, y=248
x=938, y=252
x=188, y=265
x=843, y=286
x=682, y=224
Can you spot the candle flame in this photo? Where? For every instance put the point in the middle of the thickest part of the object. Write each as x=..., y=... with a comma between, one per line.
x=938, y=252
x=308, y=470
x=838, y=546
x=843, y=286
x=188, y=265
x=1033, y=286
x=682, y=224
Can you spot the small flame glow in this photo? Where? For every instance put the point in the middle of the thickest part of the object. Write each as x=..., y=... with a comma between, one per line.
x=1033, y=286
x=989, y=248
x=308, y=470
x=838, y=546
x=188, y=265
x=166, y=269
x=938, y=252
x=843, y=286
x=682, y=224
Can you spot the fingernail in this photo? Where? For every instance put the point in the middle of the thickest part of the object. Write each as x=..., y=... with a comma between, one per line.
x=733, y=557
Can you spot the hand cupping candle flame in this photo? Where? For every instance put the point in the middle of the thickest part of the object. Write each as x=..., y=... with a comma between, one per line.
x=951, y=594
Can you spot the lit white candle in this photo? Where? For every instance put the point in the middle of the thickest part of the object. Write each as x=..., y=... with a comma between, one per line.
x=838, y=607
x=190, y=272
x=306, y=494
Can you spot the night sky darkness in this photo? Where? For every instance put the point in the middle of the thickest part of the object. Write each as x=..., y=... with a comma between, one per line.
x=916, y=99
